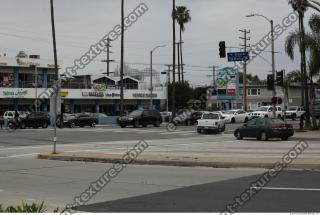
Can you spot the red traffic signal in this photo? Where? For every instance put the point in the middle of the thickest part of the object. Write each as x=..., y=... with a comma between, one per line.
x=270, y=82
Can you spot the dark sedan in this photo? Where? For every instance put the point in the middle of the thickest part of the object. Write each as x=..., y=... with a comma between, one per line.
x=81, y=120
x=265, y=128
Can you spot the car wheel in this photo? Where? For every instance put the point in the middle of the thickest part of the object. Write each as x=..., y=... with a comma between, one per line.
x=123, y=126
x=263, y=136
x=223, y=128
x=284, y=138
x=266, y=116
x=233, y=120
x=144, y=125
x=199, y=131
x=23, y=125
x=93, y=124
x=72, y=125
x=238, y=135
x=44, y=125
x=246, y=120
x=279, y=116
x=157, y=124
x=136, y=124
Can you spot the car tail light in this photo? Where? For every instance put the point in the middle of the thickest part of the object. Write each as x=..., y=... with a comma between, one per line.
x=289, y=126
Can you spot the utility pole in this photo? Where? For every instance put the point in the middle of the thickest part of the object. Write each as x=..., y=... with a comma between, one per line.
x=173, y=58
x=122, y=60
x=181, y=61
x=179, y=65
x=168, y=82
x=245, y=46
x=108, y=56
x=57, y=85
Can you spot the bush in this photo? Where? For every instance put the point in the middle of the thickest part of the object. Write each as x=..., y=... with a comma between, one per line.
x=24, y=208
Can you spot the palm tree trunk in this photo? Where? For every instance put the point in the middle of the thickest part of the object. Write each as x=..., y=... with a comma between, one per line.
x=173, y=58
x=181, y=61
x=179, y=66
x=305, y=79
x=301, y=64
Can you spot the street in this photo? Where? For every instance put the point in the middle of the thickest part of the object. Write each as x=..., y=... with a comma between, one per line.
x=146, y=188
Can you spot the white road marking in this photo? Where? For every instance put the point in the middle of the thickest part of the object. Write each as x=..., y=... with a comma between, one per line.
x=287, y=188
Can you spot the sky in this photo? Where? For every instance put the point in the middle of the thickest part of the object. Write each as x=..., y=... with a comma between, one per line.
x=25, y=25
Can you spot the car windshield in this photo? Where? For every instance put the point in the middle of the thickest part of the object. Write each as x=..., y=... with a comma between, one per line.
x=292, y=108
x=135, y=113
x=231, y=112
x=263, y=109
x=210, y=116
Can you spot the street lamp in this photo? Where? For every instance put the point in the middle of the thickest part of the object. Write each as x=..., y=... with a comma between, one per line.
x=272, y=54
x=151, y=87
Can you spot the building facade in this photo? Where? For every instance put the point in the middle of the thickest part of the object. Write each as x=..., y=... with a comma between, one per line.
x=25, y=80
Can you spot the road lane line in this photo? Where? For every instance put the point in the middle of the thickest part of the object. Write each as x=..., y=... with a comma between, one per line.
x=287, y=188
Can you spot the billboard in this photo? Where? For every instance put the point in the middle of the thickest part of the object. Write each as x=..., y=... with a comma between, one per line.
x=227, y=83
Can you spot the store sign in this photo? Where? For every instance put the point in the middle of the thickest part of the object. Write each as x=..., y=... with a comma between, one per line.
x=112, y=95
x=92, y=94
x=64, y=94
x=227, y=83
x=144, y=95
x=100, y=87
x=15, y=93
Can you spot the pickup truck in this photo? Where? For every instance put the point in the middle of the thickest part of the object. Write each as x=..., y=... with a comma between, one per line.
x=295, y=112
x=267, y=111
x=211, y=122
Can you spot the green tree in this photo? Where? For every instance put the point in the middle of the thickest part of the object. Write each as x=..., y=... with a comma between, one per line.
x=182, y=15
x=183, y=93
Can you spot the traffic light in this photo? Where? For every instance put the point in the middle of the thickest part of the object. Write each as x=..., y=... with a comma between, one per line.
x=270, y=82
x=222, y=49
x=280, y=78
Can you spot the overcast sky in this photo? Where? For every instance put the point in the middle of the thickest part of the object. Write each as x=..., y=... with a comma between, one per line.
x=25, y=25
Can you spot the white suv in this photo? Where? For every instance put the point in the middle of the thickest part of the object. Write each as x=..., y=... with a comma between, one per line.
x=295, y=112
x=267, y=111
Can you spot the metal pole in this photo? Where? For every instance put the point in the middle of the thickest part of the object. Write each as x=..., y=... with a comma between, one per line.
x=173, y=58
x=168, y=82
x=36, y=87
x=57, y=85
x=122, y=60
x=151, y=87
x=273, y=67
x=108, y=56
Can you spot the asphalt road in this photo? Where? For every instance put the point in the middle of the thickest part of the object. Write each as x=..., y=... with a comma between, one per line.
x=150, y=188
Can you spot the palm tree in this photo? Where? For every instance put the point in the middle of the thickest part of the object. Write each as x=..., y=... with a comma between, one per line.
x=301, y=7
x=182, y=15
x=311, y=43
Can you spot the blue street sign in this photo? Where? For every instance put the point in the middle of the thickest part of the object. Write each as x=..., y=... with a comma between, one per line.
x=238, y=56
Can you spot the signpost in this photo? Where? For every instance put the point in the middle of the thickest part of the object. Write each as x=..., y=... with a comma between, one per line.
x=238, y=56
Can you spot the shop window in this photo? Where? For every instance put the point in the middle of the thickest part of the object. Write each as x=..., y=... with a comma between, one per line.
x=254, y=92
x=6, y=80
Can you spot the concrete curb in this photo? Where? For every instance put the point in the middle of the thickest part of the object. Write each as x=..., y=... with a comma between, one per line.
x=222, y=162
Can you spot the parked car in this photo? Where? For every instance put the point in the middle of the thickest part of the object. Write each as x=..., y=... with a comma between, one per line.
x=315, y=110
x=166, y=116
x=211, y=121
x=234, y=116
x=265, y=128
x=294, y=112
x=81, y=120
x=141, y=117
x=267, y=111
x=33, y=120
x=187, y=117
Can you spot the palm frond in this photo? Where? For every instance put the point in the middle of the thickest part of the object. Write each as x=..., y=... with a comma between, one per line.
x=292, y=40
